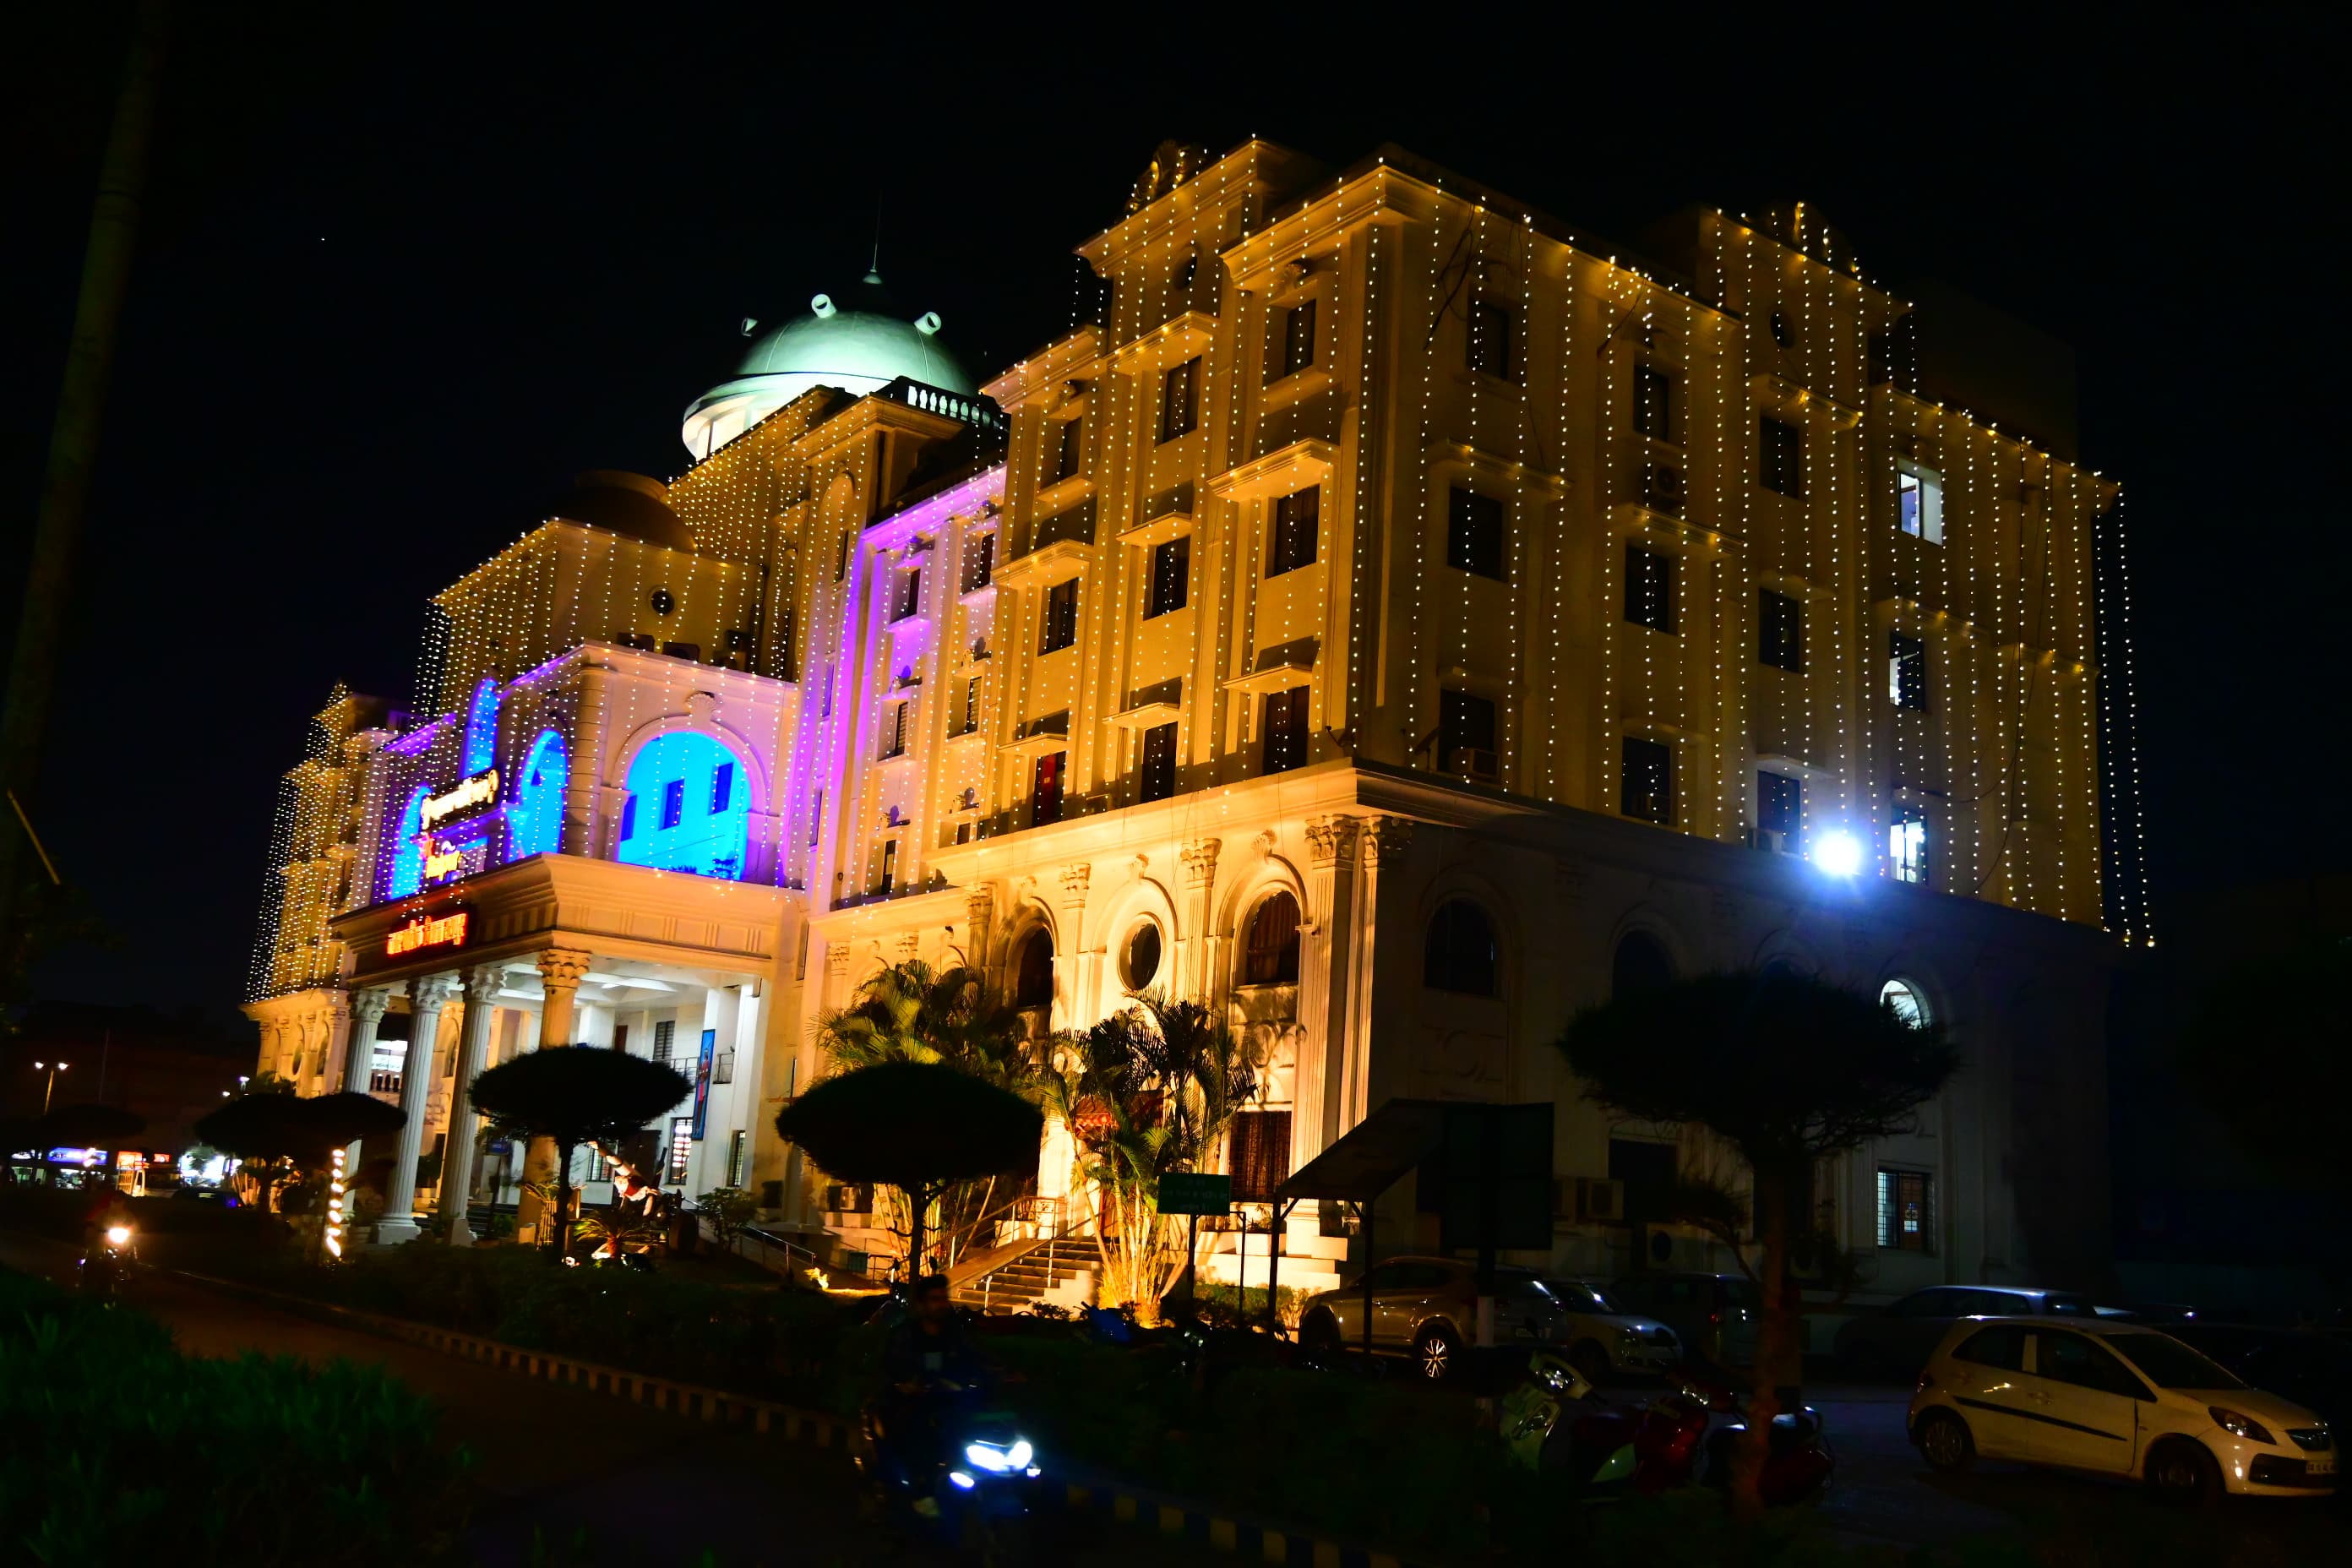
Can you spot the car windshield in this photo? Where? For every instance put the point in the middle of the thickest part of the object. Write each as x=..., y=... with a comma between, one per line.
x=1579, y=1296
x=2168, y=1363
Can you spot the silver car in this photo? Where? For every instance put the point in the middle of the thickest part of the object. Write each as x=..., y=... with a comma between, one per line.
x=1427, y=1308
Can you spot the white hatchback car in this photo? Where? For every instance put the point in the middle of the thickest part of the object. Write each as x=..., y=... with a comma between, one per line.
x=2114, y=1399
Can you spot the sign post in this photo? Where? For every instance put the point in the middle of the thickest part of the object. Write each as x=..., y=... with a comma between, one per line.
x=1193, y=1193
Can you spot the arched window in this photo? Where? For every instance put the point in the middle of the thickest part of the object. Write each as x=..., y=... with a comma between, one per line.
x=1460, y=953
x=1642, y=964
x=1033, y=970
x=407, y=848
x=1905, y=1000
x=1138, y=964
x=689, y=808
x=1270, y=952
x=535, y=820
x=482, y=730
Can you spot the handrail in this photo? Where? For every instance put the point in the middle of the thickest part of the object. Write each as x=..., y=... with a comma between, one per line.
x=945, y=1241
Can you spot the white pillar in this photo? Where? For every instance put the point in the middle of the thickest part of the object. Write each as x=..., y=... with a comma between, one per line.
x=368, y=1009
x=426, y=994
x=1198, y=981
x=482, y=984
x=561, y=970
x=1384, y=841
x=1325, y=943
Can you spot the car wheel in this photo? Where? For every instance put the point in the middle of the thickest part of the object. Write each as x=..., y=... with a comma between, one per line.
x=1591, y=1361
x=2183, y=1473
x=1435, y=1353
x=1319, y=1341
x=1945, y=1442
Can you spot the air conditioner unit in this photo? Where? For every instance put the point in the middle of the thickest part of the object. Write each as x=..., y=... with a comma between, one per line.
x=1600, y=1201
x=1661, y=488
x=1776, y=843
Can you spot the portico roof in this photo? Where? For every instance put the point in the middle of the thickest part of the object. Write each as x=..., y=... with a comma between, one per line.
x=1373, y=1156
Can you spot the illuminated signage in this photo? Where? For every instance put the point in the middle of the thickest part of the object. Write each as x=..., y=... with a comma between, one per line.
x=442, y=860
x=480, y=790
x=449, y=931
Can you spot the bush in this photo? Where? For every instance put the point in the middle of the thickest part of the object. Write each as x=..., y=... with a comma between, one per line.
x=1232, y=1304
x=129, y=1451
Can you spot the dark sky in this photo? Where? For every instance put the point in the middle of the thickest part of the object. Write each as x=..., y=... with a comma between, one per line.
x=400, y=281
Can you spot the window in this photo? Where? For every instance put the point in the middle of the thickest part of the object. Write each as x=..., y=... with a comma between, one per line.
x=2076, y=1359
x=1460, y=953
x=681, y=1150
x=1138, y=966
x=1270, y=951
x=1284, y=725
x=1466, y=735
x=1180, y=400
x=1904, y=999
x=841, y=560
x=1781, y=455
x=1920, y=502
x=1058, y=625
x=1033, y=970
x=816, y=818
x=1069, y=455
x=482, y=726
x=628, y=821
x=890, y=864
x=1905, y=1218
x=1474, y=533
x=1640, y=964
x=1172, y=571
x=1906, y=842
x=722, y=787
x=970, y=706
x=1186, y=273
x=2003, y=1348
x=824, y=709
x=1781, y=631
x=1646, y=780
x=1045, y=789
x=1782, y=332
x=722, y=1068
x=1650, y=588
x=535, y=820
x=673, y=802
x=1653, y=402
x=621, y=1037
x=1259, y=1154
x=1298, y=339
x=1157, y=778
x=1779, y=803
x=665, y=1034
x=906, y=593
x=1295, y=517
x=1906, y=671
x=1489, y=347
x=894, y=730
x=978, y=562
x=738, y=1147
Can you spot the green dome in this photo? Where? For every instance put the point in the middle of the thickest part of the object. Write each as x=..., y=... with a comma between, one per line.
x=857, y=350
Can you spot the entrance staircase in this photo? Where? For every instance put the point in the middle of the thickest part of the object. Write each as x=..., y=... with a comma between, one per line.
x=1060, y=1271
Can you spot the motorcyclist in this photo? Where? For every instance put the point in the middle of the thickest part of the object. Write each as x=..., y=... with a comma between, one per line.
x=928, y=1365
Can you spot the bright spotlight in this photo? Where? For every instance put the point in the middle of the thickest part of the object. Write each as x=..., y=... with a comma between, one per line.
x=1839, y=853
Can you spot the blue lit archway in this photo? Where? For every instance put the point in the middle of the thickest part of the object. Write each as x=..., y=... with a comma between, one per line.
x=535, y=820
x=482, y=730
x=688, y=807
x=407, y=853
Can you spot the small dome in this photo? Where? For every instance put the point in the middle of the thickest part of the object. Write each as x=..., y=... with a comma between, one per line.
x=625, y=504
x=859, y=345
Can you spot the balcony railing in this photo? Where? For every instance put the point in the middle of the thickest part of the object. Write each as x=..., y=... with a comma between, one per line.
x=962, y=407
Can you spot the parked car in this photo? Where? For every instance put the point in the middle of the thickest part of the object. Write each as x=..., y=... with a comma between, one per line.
x=1714, y=1315
x=2113, y=1399
x=1896, y=1340
x=1427, y=1308
x=2310, y=1367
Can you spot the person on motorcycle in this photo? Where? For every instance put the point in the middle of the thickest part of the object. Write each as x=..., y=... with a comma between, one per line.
x=928, y=1364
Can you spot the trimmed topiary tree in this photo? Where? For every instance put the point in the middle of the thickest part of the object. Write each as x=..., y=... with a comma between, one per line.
x=573, y=1094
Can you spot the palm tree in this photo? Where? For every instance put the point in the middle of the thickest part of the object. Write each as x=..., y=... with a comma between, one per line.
x=1788, y=1070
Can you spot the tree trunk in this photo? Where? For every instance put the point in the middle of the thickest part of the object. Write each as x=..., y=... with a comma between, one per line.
x=1775, y=1340
x=918, y=1202
x=562, y=1199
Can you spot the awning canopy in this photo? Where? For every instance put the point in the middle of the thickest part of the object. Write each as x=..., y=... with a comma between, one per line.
x=1372, y=1155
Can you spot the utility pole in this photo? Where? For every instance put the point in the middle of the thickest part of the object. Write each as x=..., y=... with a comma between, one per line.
x=73, y=450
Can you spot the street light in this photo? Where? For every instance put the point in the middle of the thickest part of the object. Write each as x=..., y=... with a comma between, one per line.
x=52, y=1068
x=1838, y=852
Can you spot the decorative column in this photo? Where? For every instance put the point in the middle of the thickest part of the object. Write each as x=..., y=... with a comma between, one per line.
x=980, y=918
x=1077, y=991
x=1324, y=945
x=335, y=1021
x=367, y=1008
x=482, y=984
x=1199, y=885
x=426, y=994
x=561, y=970
x=1384, y=841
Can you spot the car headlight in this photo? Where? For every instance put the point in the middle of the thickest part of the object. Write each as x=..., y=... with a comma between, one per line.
x=999, y=1461
x=2239, y=1425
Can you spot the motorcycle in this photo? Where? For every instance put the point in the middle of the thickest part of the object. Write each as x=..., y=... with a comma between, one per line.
x=106, y=1269
x=1554, y=1423
x=959, y=1475
x=1798, y=1463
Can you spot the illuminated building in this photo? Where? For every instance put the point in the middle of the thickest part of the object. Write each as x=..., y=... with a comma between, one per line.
x=1383, y=568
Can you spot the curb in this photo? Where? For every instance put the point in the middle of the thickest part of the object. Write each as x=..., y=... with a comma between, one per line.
x=1144, y=1508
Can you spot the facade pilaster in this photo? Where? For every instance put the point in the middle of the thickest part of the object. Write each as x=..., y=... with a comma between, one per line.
x=561, y=970
x=1325, y=941
x=1199, y=859
x=335, y=1040
x=482, y=984
x=1383, y=843
x=1076, y=961
x=367, y=1008
x=980, y=919
x=426, y=995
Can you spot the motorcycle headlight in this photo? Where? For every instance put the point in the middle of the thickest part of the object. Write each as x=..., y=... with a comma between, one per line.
x=961, y=1480
x=2239, y=1425
x=999, y=1461
x=120, y=1234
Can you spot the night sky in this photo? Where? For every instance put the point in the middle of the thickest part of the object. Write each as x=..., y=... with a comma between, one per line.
x=398, y=284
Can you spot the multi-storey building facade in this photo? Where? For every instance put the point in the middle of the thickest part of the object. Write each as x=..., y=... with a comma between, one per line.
x=1394, y=619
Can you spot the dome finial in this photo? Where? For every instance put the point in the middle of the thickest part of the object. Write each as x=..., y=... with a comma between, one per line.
x=874, y=266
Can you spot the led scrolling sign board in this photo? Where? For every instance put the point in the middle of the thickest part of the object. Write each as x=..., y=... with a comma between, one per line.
x=444, y=930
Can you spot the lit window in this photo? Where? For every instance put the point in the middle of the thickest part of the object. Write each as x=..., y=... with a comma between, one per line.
x=1906, y=671
x=535, y=820
x=705, y=833
x=1270, y=948
x=906, y=593
x=1903, y=999
x=1920, y=496
x=1906, y=1211
x=681, y=1150
x=673, y=802
x=482, y=730
x=1172, y=566
x=1906, y=843
x=1058, y=624
x=978, y=562
x=1779, y=807
x=1045, y=789
x=407, y=848
x=889, y=865
x=722, y=787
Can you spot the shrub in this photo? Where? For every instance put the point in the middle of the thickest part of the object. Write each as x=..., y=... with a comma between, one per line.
x=137, y=1452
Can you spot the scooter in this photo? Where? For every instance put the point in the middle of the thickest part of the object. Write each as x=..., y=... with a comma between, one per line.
x=106, y=1268
x=1554, y=1423
x=1798, y=1463
x=972, y=1484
